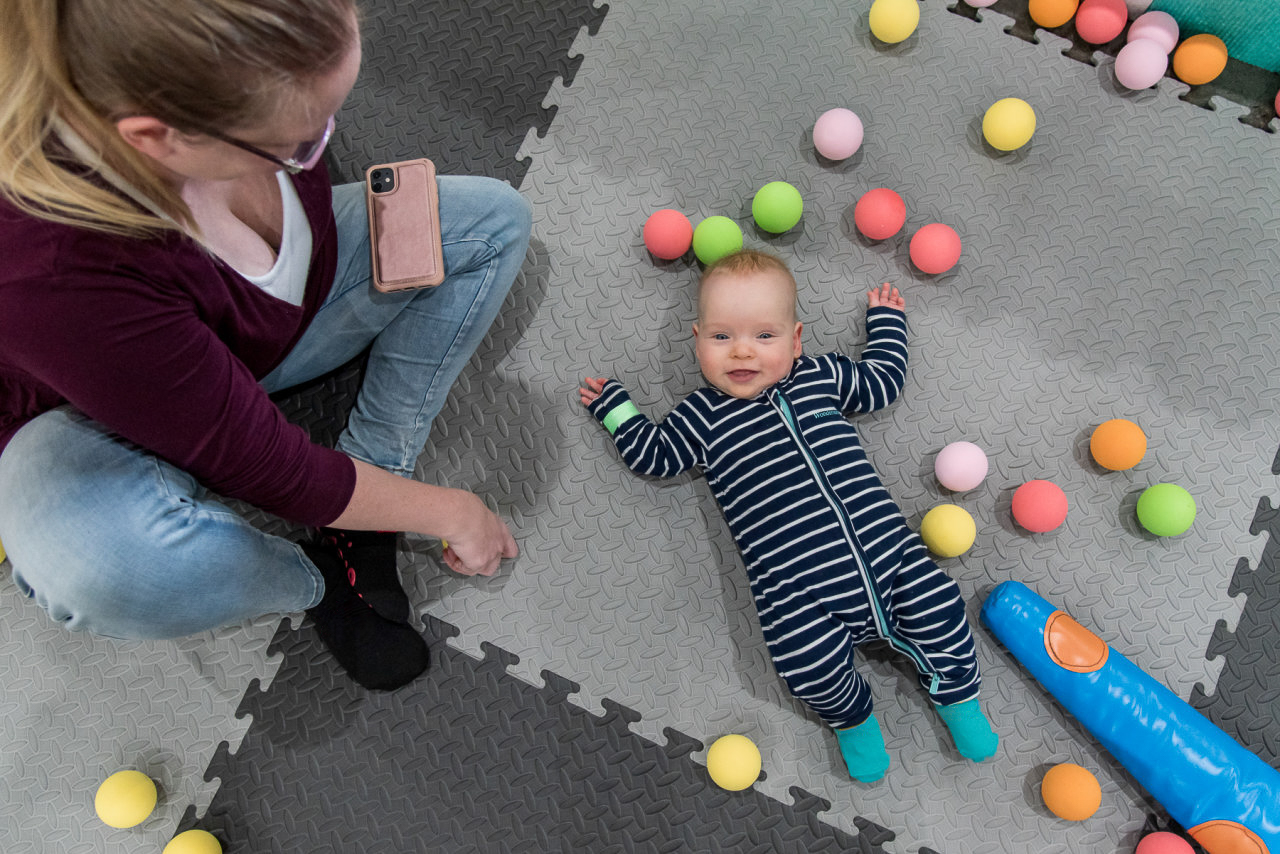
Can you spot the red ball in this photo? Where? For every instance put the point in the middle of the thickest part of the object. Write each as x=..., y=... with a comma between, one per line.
x=1039, y=506
x=879, y=213
x=1163, y=842
x=935, y=248
x=1100, y=21
x=668, y=234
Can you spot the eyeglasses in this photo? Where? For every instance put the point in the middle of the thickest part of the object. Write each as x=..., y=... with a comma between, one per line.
x=306, y=155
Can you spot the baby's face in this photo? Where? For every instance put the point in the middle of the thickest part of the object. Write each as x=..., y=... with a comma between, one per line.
x=747, y=335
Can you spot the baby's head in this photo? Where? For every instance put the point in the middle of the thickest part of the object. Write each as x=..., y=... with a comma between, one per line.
x=747, y=334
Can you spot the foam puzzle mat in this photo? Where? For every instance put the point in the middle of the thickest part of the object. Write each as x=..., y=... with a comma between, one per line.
x=1122, y=264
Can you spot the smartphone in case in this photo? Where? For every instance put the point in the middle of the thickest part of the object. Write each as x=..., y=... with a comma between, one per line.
x=404, y=225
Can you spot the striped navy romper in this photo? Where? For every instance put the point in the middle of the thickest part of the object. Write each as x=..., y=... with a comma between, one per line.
x=830, y=559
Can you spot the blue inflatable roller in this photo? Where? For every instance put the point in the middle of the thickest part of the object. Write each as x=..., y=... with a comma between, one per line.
x=1226, y=797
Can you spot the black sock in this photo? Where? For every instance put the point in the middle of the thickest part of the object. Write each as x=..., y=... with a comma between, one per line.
x=369, y=559
x=379, y=654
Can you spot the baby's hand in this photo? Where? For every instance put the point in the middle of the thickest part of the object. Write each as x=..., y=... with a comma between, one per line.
x=591, y=388
x=886, y=296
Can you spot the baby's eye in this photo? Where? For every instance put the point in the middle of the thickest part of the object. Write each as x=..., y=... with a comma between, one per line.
x=766, y=335
x=720, y=336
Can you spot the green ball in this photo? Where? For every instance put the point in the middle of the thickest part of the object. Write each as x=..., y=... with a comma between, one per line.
x=716, y=237
x=1166, y=509
x=777, y=207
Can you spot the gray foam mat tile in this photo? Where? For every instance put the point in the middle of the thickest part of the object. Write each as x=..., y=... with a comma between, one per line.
x=76, y=708
x=1115, y=267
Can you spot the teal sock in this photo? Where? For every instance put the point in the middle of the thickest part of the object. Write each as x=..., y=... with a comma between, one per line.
x=972, y=732
x=863, y=749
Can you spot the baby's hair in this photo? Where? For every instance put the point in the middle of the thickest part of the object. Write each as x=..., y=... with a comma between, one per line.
x=745, y=262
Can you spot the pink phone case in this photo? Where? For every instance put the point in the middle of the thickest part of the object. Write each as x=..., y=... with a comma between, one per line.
x=404, y=227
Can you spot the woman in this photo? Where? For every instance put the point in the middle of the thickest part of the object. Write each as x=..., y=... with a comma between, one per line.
x=173, y=254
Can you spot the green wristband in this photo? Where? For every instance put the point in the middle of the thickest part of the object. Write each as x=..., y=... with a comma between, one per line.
x=619, y=415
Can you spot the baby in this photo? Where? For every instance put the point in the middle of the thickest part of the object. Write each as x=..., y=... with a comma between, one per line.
x=830, y=559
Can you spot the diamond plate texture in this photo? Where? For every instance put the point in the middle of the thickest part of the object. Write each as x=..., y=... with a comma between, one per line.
x=472, y=759
x=1120, y=265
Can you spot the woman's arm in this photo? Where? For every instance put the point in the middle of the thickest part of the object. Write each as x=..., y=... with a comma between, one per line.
x=477, y=539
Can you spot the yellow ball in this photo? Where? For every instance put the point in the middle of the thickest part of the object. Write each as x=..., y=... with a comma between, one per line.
x=948, y=530
x=894, y=20
x=1, y=552
x=193, y=842
x=125, y=799
x=1071, y=792
x=733, y=762
x=1009, y=124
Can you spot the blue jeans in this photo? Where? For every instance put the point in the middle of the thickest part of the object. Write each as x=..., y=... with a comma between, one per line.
x=109, y=539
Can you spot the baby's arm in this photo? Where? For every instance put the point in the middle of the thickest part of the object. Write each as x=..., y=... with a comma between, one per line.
x=875, y=380
x=660, y=450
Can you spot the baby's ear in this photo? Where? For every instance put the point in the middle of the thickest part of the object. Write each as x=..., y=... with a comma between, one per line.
x=695, y=330
x=798, y=348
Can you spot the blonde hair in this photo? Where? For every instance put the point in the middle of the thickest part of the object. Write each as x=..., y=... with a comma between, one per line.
x=192, y=64
x=746, y=262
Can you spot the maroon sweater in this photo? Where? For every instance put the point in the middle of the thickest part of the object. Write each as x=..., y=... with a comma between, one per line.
x=164, y=343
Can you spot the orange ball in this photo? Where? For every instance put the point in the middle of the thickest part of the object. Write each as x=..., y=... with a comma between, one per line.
x=1071, y=792
x=1200, y=59
x=1052, y=13
x=1118, y=444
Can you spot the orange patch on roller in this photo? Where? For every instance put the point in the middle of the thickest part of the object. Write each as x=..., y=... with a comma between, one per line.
x=1227, y=837
x=1072, y=646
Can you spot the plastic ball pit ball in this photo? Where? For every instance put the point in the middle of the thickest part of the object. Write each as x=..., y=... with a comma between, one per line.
x=948, y=530
x=1141, y=64
x=733, y=762
x=1100, y=21
x=879, y=214
x=981, y=4
x=960, y=466
x=716, y=237
x=935, y=248
x=893, y=20
x=1160, y=27
x=1166, y=509
x=125, y=799
x=2, y=553
x=1163, y=842
x=1118, y=444
x=193, y=841
x=777, y=207
x=1052, y=13
x=1200, y=59
x=668, y=234
x=1071, y=792
x=1039, y=506
x=837, y=133
x=1009, y=124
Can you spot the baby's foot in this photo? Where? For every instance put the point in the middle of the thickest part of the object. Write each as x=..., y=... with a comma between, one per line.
x=863, y=749
x=972, y=732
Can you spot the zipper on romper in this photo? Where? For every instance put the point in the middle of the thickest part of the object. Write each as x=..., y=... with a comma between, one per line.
x=864, y=566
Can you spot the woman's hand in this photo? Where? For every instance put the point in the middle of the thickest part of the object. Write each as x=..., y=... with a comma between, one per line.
x=477, y=541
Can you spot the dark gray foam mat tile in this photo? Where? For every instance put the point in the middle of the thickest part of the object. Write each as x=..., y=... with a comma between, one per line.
x=471, y=759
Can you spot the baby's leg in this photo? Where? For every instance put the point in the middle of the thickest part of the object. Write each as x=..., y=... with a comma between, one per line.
x=928, y=613
x=813, y=653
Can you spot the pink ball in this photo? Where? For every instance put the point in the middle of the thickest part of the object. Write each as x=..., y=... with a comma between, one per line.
x=1141, y=64
x=960, y=466
x=837, y=133
x=1100, y=21
x=1039, y=506
x=668, y=234
x=1278, y=103
x=1160, y=27
x=879, y=213
x=980, y=4
x=1163, y=842
x=935, y=248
